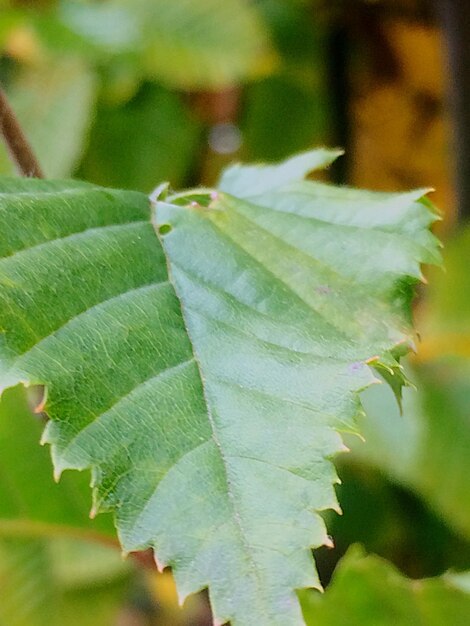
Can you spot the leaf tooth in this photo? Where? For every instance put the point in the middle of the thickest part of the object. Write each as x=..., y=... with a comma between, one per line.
x=44, y=440
x=337, y=509
x=40, y=407
x=160, y=564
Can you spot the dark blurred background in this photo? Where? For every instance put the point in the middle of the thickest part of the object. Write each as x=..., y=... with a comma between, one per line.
x=129, y=93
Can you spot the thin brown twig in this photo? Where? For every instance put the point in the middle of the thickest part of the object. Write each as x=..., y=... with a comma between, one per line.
x=18, y=146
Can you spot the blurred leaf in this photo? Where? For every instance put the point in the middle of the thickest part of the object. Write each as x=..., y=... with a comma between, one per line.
x=150, y=139
x=27, y=587
x=31, y=504
x=184, y=436
x=92, y=582
x=113, y=25
x=290, y=110
x=298, y=31
x=393, y=521
x=444, y=458
x=93, y=31
x=183, y=43
x=44, y=583
x=368, y=591
x=426, y=448
x=444, y=317
x=283, y=115
x=79, y=564
x=34, y=592
x=207, y=43
x=54, y=104
x=9, y=20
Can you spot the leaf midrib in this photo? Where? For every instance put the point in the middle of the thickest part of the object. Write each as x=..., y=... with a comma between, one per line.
x=230, y=494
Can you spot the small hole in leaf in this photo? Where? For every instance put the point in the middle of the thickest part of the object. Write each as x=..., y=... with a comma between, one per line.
x=165, y=229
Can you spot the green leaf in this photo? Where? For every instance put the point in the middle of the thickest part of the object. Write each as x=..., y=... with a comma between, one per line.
x=204, y=44
x=445, y=314
x=25, y=472
x=28, y=592
x=251, y=180
x=183, y=43
x=266, y=104
x=49, y=583
x=204, y=375
x=161, y=142
x=369, y=591
x=44, y=580
x=54, y=105
x=413, y=446
x=421, y=449
x=295, y=101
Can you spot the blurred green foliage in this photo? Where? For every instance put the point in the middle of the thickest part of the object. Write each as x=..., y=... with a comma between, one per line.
x=367, y=591
x=127, y=93
x=31, y=504
x=108, y=90
x=53, y=582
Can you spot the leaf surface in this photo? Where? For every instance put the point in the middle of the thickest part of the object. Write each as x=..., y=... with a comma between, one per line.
x=369, y=591
x=205, y=375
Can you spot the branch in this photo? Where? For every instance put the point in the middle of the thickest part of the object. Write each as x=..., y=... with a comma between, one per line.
x=18, y=146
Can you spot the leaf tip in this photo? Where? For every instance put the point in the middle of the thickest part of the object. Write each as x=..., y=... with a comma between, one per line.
x=337, y=152
x=337, y=509
x=319, y=587
x=159, y=193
